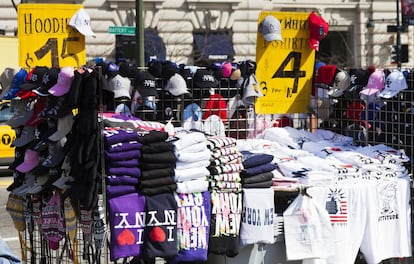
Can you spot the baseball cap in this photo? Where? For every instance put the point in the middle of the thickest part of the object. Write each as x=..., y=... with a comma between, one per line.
x=27, y=136
x=394, y=83
x=251, y=90
x=177, y=86
x=226, y=69
x=82, y=22
x=111, y=69
x=18, y=79
x=23, y=111
x=354, y=111
x=216, y=105
x=56, y=154
x=31, y=160
x=49, y=80
x=34, y=78
x=64, y=126
x=120, y=86
x=38, y=185
x=270, y=29
x=64, y=81
x=235, y=74
x=18, y=157
x=23, y=94
x=375, y=83
x=204, y=78
x=325, y=76
x=6, y=79
x=283, y=121
x=359, y=78
x=169, y=68
x=155, y=68
x=145, y=83
x=318, y=29
x=38, y=106
x=28, y=182
x=63, y=182
x=341, y=83
x=319, y=64
x=193, y=111
x=214, y=126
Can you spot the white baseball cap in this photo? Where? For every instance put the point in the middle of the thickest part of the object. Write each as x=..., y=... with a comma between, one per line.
x=394, y=83
x=82, y=22
x=120, y=86
x=270, y=29
x=177, y=86
x=341, y=83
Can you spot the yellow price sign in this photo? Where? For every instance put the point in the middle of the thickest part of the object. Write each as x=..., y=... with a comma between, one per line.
x=285, y=68
x=46, y=39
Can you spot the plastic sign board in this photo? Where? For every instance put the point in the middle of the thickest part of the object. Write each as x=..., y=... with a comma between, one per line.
x=122, y=30
x=285, y=69
x=46, y=39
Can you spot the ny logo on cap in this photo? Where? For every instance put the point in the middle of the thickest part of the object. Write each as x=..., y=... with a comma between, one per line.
x=149, y=83
x=46, y=78
x=321, y=31
x=34, y=77
x=353, y=78
x=208, y=78
x=86, y=22
x=336, y=81
x=388, y=83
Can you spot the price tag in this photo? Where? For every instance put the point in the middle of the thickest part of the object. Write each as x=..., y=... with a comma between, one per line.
x=285, y=69
x=46, y=39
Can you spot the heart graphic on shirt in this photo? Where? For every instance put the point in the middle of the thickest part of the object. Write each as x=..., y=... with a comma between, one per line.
x=126, y=237
x=157, y=234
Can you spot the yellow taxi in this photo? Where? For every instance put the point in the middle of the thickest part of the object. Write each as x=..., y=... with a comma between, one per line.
x=7, y=134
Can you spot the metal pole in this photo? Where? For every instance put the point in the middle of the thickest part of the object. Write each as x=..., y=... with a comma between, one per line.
x=139, y=34
x=398, y=51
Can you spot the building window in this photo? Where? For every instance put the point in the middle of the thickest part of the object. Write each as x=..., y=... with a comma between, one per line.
x=212, y=46
x=154, y=47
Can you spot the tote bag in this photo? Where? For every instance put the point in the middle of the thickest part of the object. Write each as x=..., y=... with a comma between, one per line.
x=307, y=228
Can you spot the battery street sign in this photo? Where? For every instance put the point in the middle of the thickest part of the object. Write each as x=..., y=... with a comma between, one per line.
x=122, y=30
x=46, y=39
x=393, y=28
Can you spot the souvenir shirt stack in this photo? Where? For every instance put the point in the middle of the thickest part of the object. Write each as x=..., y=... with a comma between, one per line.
x=122, y=153
x=125, y=205
x=225, y=164
x=226, y=196
x=192, y=197
x=193, y=157
x=257, y=172
x=157, y=164
x=157, y=184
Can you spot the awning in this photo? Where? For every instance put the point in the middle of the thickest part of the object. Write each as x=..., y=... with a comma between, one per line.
x=154, y=46
x=212, y=46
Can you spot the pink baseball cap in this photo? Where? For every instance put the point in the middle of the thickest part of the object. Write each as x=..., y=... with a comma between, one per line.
x=226, y=69
x=376, y=83
x=64, y=81
x=31, y=160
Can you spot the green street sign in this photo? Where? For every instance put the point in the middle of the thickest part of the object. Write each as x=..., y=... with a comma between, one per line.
x=121, y=30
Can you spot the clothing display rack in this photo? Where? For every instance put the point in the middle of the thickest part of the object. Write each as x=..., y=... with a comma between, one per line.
x=218, y=107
